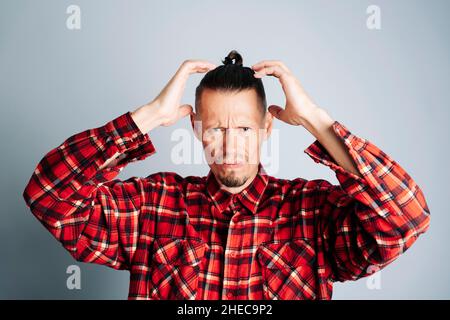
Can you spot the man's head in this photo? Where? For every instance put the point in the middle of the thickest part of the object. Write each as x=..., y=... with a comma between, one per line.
x=231, y=121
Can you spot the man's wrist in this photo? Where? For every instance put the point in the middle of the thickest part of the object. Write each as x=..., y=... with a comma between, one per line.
x=317, y=122
x=146, y=117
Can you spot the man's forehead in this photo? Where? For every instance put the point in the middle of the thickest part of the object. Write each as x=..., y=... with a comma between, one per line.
x=228, y=105
x=231, y=116
x=224, y=95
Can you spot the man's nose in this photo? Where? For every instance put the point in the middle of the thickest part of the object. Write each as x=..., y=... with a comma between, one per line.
x=232, y=140
x=233, y=145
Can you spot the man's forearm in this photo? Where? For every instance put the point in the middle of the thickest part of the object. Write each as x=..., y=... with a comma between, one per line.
x=146, y=117
x=320, y=124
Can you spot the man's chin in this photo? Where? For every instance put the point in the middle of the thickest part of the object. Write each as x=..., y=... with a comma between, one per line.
x=232, y=181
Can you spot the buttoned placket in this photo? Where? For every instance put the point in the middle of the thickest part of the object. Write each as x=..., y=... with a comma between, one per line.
x=231, y=270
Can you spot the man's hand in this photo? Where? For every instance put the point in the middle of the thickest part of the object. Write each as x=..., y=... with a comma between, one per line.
x=300, y=110
x=166, y=108
x=298, y=105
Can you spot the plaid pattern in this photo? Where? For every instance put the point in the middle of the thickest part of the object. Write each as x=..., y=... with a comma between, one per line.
x=185, y=238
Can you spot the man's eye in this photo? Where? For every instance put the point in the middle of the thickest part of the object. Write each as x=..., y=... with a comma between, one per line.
x=218, y=129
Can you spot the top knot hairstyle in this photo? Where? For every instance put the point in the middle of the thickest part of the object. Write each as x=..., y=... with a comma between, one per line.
x=232, y=77
x=233, y=55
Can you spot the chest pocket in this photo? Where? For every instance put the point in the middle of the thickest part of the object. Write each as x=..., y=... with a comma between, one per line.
x=287, y=270
x=175, y=268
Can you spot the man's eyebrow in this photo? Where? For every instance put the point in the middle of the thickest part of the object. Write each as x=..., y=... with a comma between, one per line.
x=236, y=126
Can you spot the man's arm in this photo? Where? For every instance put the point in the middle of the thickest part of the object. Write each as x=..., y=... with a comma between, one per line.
x=81, y=204
x=72, y=190
x=376, y=212
x=369, y=219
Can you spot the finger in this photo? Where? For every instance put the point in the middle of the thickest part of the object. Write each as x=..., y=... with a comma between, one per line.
x=274, y=70
x=190, y=67
x=184, y=110
x=269, y=63
x=201, y=66
x=206, y=66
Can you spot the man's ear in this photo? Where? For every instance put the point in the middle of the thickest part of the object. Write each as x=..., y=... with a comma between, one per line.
x=268, y=124
x=196, y=125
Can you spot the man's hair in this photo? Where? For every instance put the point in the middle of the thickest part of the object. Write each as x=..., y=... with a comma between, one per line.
x=231, y=77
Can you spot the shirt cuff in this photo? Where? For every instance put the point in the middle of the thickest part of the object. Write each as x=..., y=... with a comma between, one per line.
x=129, y=138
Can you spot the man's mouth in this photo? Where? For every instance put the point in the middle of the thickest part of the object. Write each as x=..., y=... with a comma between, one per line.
x=233, y=164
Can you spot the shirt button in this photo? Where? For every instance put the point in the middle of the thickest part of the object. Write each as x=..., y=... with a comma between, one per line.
x=230, y=295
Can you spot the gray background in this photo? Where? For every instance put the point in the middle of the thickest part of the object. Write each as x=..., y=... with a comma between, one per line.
x=389, y=86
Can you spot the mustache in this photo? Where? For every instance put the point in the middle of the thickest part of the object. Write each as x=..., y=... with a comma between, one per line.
x=218, y=157
x=230, y=158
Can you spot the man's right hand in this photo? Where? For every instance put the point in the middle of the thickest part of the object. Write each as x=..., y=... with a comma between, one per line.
x=166, y=108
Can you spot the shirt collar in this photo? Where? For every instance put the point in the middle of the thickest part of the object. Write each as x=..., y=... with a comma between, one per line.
x=249, y=197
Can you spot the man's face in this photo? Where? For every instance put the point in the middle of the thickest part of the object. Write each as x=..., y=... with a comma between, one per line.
x=232, y=127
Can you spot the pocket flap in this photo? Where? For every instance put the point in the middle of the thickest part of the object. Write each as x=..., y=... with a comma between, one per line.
x=290, y=254
x=178, y=251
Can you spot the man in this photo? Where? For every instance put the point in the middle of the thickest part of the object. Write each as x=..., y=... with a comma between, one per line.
x=236, y=233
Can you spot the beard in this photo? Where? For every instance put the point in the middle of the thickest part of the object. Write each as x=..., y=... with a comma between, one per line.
x=231, y=181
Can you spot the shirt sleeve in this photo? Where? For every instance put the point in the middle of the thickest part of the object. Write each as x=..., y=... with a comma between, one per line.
x=93, y=215
x=366, y=223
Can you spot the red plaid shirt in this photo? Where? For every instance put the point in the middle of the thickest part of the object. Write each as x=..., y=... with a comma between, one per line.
x=185, y=238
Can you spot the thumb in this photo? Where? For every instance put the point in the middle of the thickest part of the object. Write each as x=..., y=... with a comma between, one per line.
x=276, y=111
x=184, y=110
